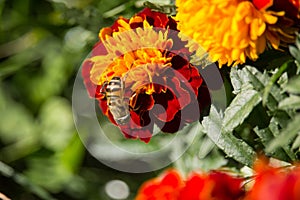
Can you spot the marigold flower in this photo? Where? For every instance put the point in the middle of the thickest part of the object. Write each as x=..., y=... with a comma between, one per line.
x=146, y=53
x=272, y=183
x=166, y=187
x=212, y=186
x=233, y=30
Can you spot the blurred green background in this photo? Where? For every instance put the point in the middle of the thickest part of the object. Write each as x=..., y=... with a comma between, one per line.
x=42, y=44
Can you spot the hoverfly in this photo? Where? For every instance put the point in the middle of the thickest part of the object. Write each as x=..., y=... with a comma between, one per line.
x=114, y=93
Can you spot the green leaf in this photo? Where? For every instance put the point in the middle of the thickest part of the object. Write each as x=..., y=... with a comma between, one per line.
x=206, y=147
x=292, y=102
x=259, y=81
x=268, y=134
x=115, y=11
x=232, y=146
x=296, y=143
x=273, y=79
x=202, y=153
x=58, y=168
x=293, y=85
x=295, y=52
x=275, y=131
x=238, y=79
x=286, y=135
x=298, y=41
x=265, y=136
x=163, y=8
x=73, y=154
x=239, y=109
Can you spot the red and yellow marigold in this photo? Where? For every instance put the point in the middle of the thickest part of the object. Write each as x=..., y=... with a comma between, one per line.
x=211, y=186
x=148, y=54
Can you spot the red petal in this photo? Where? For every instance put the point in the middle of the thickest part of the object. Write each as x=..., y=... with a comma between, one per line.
x=262, y=4
x=98, y=49
x=141, y=102
x=182, y=94
x=193, y=187
x=195, y=80
x=154, y=18
x=172, y=178
x=169, y=103
x=226, y=187
x=139, y=126
x=93, y=90
x=172, y=126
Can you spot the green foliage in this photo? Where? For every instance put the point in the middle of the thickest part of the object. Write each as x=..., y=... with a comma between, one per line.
x=262, y=116
x=202, y=154
x=232, y=146
x=239, y=109
x=42, y=44
x=165, y=7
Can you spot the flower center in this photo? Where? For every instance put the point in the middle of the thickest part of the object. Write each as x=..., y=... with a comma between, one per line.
x=138, y=68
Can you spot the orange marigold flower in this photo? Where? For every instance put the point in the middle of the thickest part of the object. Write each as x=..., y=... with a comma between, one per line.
x=165, y=187
x=140, y=63
x=233, y=30
x=272, y=183
x=212, y=186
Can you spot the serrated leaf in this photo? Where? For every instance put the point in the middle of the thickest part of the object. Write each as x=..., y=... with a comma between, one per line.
x=283, y=80
x=292, y=102
x=239, y=109
x=259, y=81
x=267, y=135
x=273, y=126
x=232, y=146
x=238, y=79
x=286, y=135
x=293, y=85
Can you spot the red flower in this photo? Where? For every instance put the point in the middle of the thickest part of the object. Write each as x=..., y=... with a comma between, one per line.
x=273, y=183
x=290, y=7
x=213, y=186
x=160, y=85
x=165, y=187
